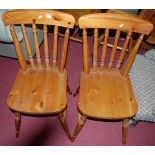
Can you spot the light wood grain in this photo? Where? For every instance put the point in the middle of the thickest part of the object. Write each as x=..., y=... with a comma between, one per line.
x=115, y=21
x=106, y=91
x=40, y=93
x=106, y=95
x=48, y=17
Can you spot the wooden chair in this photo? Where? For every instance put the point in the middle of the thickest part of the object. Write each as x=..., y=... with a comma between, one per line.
x=40, y=87
x=105, y=88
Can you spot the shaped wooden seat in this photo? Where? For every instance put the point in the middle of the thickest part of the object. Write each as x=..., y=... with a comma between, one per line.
x=105, y=88
x=39, y=92
x=106, y=95
x=40, y=87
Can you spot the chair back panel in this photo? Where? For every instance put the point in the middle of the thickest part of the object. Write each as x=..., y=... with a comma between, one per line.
x=110, y=22
x=39, y=18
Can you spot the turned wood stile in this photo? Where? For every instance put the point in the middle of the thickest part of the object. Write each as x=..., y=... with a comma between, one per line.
x=85, y=52
x=27, y=44
x=36, y=45
x=64, y=51
x=122, y=54
x=95, y=54
x=132, y=55
x=114, y=49
x=46, y=50
x=104, y=49
x=18, y=48
x=55, y=46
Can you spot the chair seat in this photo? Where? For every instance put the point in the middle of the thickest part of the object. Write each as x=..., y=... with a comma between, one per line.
x=39, y=91
x=106, y=95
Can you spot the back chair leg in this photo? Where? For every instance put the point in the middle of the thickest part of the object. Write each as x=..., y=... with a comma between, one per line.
x=125, y=124
x=77, y=91
x=68, y=90
x=81, y=121
x=17, y=123
x=62, y=119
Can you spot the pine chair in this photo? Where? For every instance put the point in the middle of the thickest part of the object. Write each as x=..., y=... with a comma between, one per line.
x=105, y=88
x=40, y=87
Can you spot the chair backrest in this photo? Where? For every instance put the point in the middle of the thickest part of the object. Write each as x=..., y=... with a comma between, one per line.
x=42, y=18
x=110, y=21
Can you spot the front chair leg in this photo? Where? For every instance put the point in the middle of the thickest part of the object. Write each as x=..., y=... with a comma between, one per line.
x=17, y=123
x=82, y=120
x=125, y=124
x=62, y=119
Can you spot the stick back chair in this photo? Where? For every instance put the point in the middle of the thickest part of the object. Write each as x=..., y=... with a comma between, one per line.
x=105, y=88
x=40, y=87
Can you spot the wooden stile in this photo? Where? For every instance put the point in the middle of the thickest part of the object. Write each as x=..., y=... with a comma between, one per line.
x=18, y=48
x=95, y=54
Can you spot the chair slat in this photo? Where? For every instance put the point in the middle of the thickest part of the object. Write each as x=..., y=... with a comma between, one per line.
x=104, y=49
x=55, y=46
x=114, y=49
x=27, y=44
x=95, y=54
x=36, y=45
x=120, y=59
x=46, y=46
x=18, y=48
x=132, y=55
x=64, y=51
x=85, y=52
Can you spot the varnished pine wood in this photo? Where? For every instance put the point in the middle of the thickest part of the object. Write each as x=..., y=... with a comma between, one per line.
x=132, y=56
x=62, y=119
x=39, y=90
x=104, y=49
x=39, y=97
x=81, y=122
x=114, y=49
x=18, y=48
x=95, y=54
x=64, y=51
x=114, y=21
x=46, y=50
x=85, y=53
x=120, y=59
x=125, y=124
x=48, y=17
x=17, y=123
x=106, y=93
x=27, y=45
x=55, y=46
x=36, y=45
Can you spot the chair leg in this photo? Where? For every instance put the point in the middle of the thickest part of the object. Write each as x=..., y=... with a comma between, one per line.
x=77, y=91
x=62, y=119
x=81, y=121
x=17, y=123
x=125, y=124
x=69, y=91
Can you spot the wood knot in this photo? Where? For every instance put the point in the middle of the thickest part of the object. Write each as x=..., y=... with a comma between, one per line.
x=41, y=104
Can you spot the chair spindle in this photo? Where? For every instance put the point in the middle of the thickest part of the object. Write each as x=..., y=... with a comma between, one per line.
x=114, y=49
x=36, y=45
x=95, y=54
x=27, y=44
x=55, y=46
x=104, y=49
x=120, y=59
x=85, y=52
x=46, y=50
x=64, y=51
